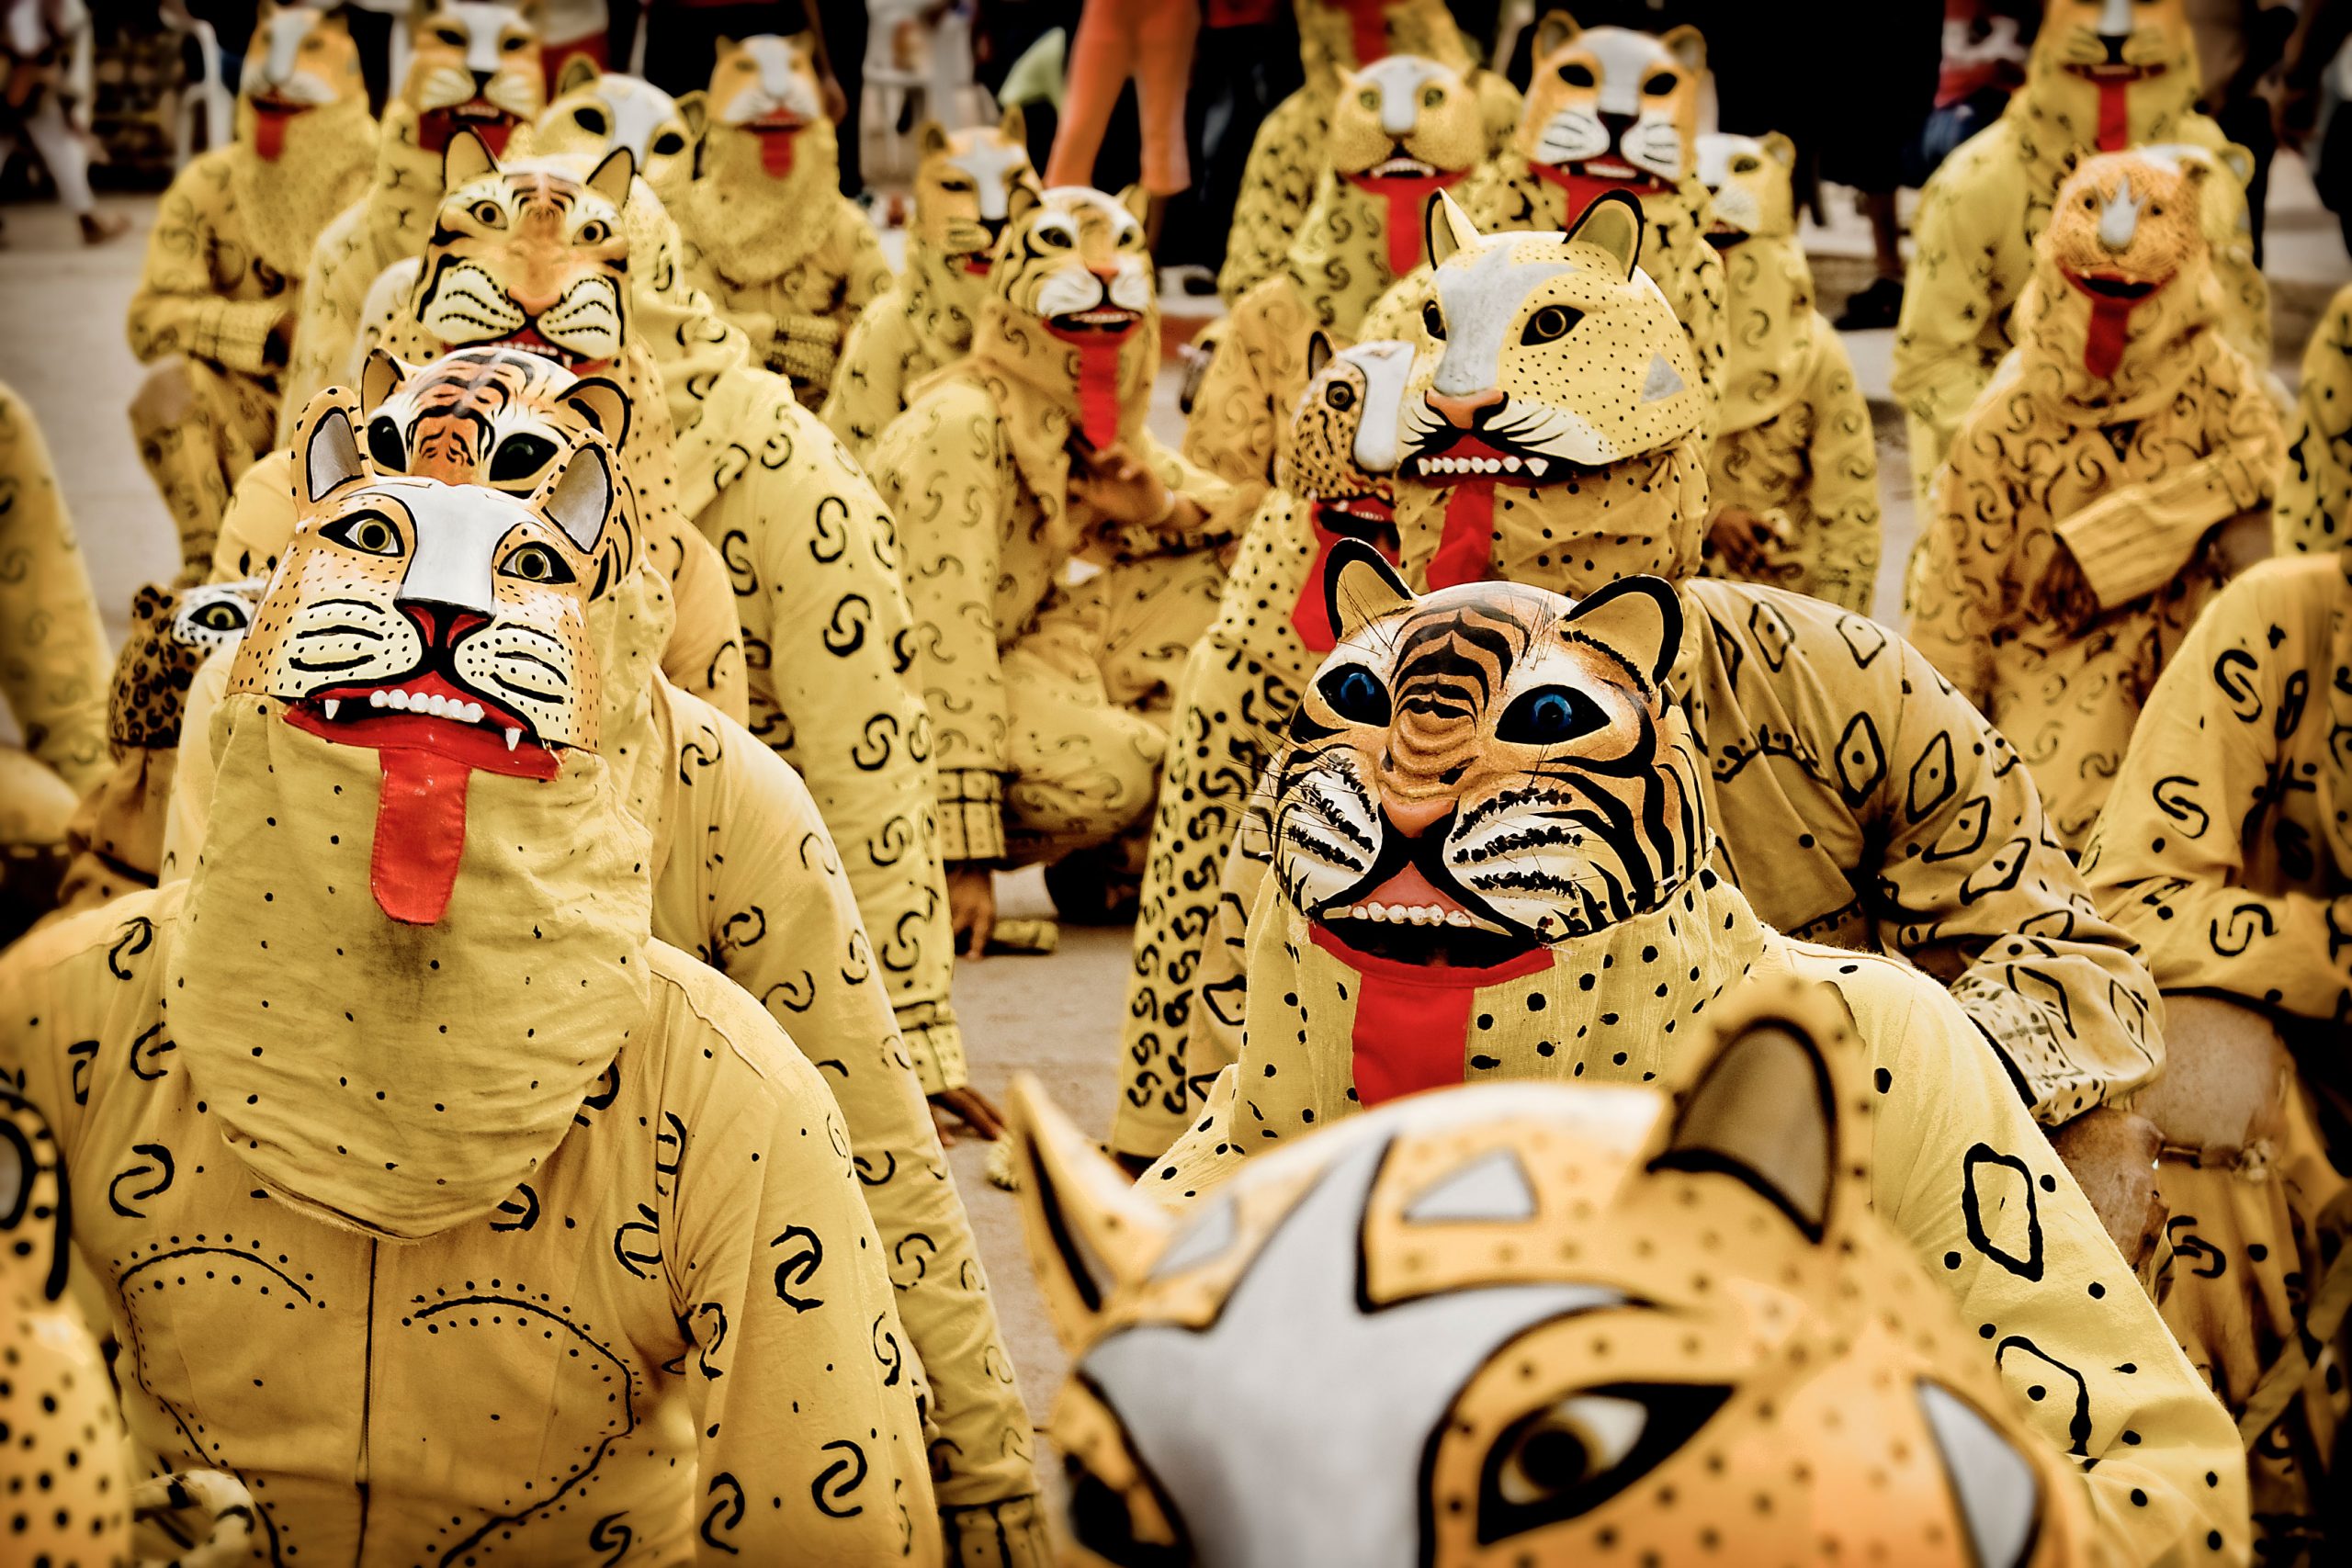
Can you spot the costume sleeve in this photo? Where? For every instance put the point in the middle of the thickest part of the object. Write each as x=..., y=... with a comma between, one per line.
x=1956, y=591
x=1221, y=519
x=1705, y=320
x=1991, y=1212
x=2167, y=859
x=871, y=379
x=941, y=463
x=824, y=614
x=178, y=308
x=1235, y=424
x=332, y=293
x=802, y=1388
x=55, y=664
x=1844, y=548
x=2315, y=486
x=1947, y=298
x=785, y=926
x=259, y=521
x=705, y=653
x=1276, y=184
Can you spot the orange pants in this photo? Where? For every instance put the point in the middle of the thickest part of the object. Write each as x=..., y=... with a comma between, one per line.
x=1152, y=41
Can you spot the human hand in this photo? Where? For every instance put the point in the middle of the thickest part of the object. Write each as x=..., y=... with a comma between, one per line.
x=1124, y=489
x=971, y=907
x=969, y=1109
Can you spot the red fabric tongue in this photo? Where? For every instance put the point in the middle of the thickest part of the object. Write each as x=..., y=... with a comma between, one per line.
x=419, y=834
x=1411, y=1020
x=1097, y=386
x=1370, y=32
x=775, y=152
x=2114, y=116
x=1466, y=545
x=1582, y=190
x=269, y=132
x=2110, y=325
x=1312, y=614
x=1408, y=199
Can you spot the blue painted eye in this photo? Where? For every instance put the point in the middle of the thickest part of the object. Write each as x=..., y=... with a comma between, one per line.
x=1548, y=717
x=1356, y=694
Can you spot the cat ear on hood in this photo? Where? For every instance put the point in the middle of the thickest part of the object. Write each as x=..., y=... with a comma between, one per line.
x=1782, y=151
x=1360, y=587
x=1555, y=31
x=1638, y=619
x=1688, y=45
x=1445, y=228
x=1614, y=222
x=1014, y=125
x=469, y=159
x=384, y=374
x=612, y=178
x=1136, y=200
x=578, y=72
x=931, y=138
x=694, y=109
x=1090, y=1232
x=578, y=496
x=602, y=402
x=326, y=446
x=1319, y=352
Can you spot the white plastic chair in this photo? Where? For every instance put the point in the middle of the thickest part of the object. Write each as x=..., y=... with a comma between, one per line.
x=206, y=96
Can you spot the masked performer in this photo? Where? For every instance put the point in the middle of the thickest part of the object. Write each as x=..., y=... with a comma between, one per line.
x=963, y=183
x=1293, y=144
x=1492, y=854
x=747, y=877
x=473, y=65
x=1614, y=110
x=997, y=472
x=1502, y=1320
x=2078, y=528
x=216, y=304
x=2105, y=75
x=1794, y=468
x=433, y=1100
x=2315, y=485
x=597, y=112
x=769, y=235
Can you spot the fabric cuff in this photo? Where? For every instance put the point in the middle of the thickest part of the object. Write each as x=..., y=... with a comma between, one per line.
x=935, y=1046
x=2120, y=557
x=971, y=814
x=1006, y=1534
x=235, y=336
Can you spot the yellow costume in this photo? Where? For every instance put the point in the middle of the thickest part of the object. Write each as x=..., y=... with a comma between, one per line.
x=2224, y=853
x=223, y=284
x=2315, y=486
x=805, y=541
x=1795, y=459
x=1615, y=110
x=963, y=185
x=1492, y=863
x=769, y=235
x=596, y=113
x=2076, y=534
x=1035, y=756
x=634, y=1225
x=473, y=65
x=2088, y=88
x=1293, y=144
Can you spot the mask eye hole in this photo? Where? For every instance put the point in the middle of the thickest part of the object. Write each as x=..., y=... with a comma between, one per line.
x=1577, y=75
x=1368, y=99
x=1743, y=165
x=450, y=38
x=487, y=213
x=520, y=457
x=1433, y=321
x=1433, y=98
x=369, y=532
x=1550, y=324
x=669, y=144
x=1355, y=695
x=591, y=119
x=1549, y=715
x=595, y=231
x=1057, y=237
x=536, y=563
x=1662, y=84
x=1565, y=1459
x=1340, y=396
x=384, y=446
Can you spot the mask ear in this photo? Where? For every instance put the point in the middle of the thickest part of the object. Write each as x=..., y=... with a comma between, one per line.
x=1318, y=353
x=385, y=374
x=467, y=160
x=1024, y=198
x=1615, y=224
x=612, y=178
x=1780, y=148
x=1554, y=32
x=1638, y=619
x=1014, y=125
x=1359, y=587
x=579, y=71
x=1687, y=45
x=603, y=403
x=1136, y=200
x=694, y=109
x=578, y=498
x=1445, y=228
x=327, y=437
x=930, y=139
x=1090, y=1232
x=33, y=1201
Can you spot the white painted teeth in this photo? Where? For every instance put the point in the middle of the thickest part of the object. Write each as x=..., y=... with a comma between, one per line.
x=1480, y=465
x=1537, y=464
x=1511, y=465
x=1406, y=914
x=513, y=735
x=331, y=705
x=433, y=703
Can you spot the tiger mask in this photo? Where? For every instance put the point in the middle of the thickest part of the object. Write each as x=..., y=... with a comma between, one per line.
x=964, y=186
x=488, y=416
x=1613, y=108
x=298, y=59
x=1402, y=128
x=1076, y=261
x=2125, y=257
x=1535, y=1323
x=596, y=113
x=1338, y=458
x=474, y=65
x=1486, y=772
x=1749, y=185
x=769, y=87
x=529, y=258
x=2112, y=43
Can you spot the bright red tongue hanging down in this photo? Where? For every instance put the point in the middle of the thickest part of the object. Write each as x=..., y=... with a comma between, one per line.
x=269, y=130
x=1312, y=614
x=2114, y=116
x=1411, y=1019
x=419, y=834
x=1466, y=545
x=1098, y=380
x=2109, y=330
x=776, y=149
x=1370, y=33
x=1408, y=199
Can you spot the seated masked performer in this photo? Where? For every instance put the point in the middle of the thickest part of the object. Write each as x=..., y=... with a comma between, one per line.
x=2315, y=485
x=747, y=878
x=2224, y=852
x=595, y=113
x=1611, y=109
x=2079, y=517
x=473, y=65
x=963, y=183
x=1293, y=144
x=1004, y=466
x=439, y=1106
x=2104, y=76
x=1492, y=859
x=52, y=673
x=769, y=235
x=1501, y=1323
x=805, y=542
x=1862, y=802
x=1794, y=468
x=214, y=316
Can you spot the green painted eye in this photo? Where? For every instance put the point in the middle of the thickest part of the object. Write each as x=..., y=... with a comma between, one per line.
x=369, y=532
x=1550, y=324
x=1369, y=99
x=536, y=563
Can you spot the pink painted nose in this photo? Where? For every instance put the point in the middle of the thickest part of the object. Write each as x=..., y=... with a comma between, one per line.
x=1413, y=818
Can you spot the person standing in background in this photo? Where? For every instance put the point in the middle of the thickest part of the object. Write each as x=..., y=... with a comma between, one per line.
x=1152, y=41
x=1984, y=62
x=45, y=92
x=2239, y=44
x=1245, y=64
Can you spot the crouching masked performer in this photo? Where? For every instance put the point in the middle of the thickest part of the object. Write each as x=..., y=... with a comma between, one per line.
x=1611, y=109
x=1862, y=802
x=596, y=113
x=215, y=314
x=805, y=542
x=745, y=877
x=769, y=235
x=1239, y=685
x=473, y=66
x=414, y=1001
x=1292, y=145
x=1492, y=860
x=2104, y=76
x=1503, y=1322
x=2080, y=516
x=964, y=183
x=2315, y=485
x=1003, y=469
x=2224, y=852
x=1795, y=470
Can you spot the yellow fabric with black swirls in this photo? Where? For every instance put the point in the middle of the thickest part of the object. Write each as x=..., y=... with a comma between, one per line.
x=2314, y=500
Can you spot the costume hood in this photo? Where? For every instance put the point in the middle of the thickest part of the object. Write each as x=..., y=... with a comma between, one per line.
x=1771, y=342
x=304, y=135
x=771, y=163
x=2104, y=75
